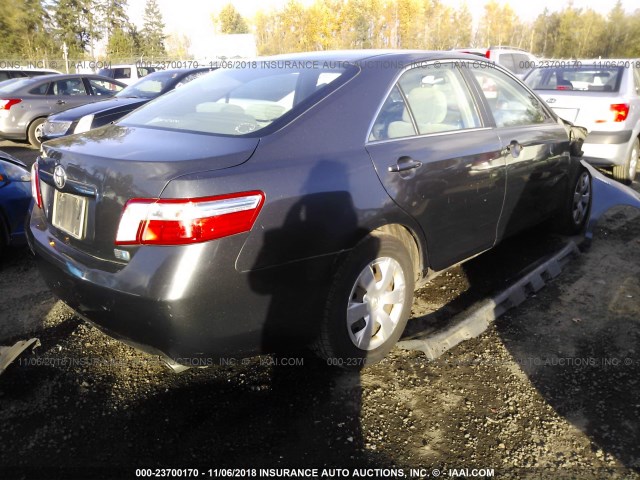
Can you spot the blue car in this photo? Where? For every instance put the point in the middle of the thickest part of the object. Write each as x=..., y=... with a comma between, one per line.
x=15, y=197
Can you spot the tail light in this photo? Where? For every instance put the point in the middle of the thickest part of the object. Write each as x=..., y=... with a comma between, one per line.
x=185, y=221
x=35, y=185
x=7, y=103
x=620, y=111
x=488, y=54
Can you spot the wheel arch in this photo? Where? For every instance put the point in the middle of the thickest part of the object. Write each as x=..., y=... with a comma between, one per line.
x=416, y=248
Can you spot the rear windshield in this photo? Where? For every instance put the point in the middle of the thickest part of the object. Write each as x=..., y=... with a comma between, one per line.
x=237, y=101
x=16, y=84
x=149, y=86
x=583, y=78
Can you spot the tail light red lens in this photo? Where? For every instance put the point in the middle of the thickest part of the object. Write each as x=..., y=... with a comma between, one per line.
x=488, y=54
x=185, y=221
x=35, y=185
x=620, y=111
x=7, y=103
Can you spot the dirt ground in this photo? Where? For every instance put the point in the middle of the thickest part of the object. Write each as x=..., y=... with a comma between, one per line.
x=551, y=390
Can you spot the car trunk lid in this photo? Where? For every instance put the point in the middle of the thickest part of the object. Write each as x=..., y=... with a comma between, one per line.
x=591, y=110
x=86, y=180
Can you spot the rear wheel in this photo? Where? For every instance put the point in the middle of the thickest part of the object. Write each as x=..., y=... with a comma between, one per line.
x=369, y=303
x=627, y=173
x=573, y=216
x=35, y=132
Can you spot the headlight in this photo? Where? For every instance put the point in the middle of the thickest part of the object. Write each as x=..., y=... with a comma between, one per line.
x=13, y=173
x=84, y=125
x=55, y=128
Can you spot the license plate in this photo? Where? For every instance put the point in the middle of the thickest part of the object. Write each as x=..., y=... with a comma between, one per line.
x=69, y=213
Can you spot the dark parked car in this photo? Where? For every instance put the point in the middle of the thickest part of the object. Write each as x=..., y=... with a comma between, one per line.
x=26, y=103
x=94, y=115
x=15, y=197
x=297, y=203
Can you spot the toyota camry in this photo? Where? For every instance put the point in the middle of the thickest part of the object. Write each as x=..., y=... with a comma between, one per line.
x=297, y=203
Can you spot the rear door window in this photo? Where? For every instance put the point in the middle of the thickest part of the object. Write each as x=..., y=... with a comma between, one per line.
x=511, y=104
x=40, y=89
x=426, y=100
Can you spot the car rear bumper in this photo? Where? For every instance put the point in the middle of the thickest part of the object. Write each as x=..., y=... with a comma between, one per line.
x=607, y=149
x=188, y=303
x=11, y=130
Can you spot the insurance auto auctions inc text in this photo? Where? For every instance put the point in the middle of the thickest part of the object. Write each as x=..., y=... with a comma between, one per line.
x=331, y=473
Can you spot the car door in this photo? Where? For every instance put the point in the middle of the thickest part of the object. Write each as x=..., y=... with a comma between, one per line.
x=68, y=93
x=440, y=162
x=535, y=149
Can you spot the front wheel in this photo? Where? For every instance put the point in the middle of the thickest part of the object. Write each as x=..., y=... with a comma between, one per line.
x=369, y=303
x=572, y=217
x=626, y=173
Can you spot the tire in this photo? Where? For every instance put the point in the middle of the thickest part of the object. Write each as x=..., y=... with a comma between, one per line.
x=627, y=173
x=378, y=269
x=574, y=214
x=34, y=133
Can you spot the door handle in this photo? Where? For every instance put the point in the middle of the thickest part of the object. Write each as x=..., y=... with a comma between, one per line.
x=514, y=148
x=61, y=102
x=404, y=164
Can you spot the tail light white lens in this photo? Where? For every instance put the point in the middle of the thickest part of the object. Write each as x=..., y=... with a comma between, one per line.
x=185, y=221
x=7, y=103
x=35, y=185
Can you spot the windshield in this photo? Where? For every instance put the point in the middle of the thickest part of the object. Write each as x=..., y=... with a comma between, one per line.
x=235, y=101
x=150, y=86
x=583, y=78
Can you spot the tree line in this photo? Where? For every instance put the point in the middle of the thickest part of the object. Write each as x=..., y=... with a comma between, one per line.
x=431, y=24
x=37, y=29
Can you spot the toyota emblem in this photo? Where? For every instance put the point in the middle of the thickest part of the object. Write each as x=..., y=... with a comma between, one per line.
x=551, y=100
x=59, y=176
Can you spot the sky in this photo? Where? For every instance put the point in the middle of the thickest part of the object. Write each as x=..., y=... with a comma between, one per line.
x=193, y=17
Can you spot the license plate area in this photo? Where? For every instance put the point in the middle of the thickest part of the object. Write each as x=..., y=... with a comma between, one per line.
x=69, y=213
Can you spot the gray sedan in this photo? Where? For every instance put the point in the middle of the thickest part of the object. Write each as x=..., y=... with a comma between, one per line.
x=26, y=103
x=297, y=203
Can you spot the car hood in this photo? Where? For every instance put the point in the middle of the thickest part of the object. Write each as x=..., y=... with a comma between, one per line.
x=96, y=108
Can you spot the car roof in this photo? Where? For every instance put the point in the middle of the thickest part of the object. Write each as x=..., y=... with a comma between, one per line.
x=30, y=81
x=360, y=56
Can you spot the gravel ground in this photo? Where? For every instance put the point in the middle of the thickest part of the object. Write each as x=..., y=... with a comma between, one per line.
x=550, y=391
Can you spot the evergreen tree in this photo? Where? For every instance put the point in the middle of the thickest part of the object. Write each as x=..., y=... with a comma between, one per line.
x=152, y=31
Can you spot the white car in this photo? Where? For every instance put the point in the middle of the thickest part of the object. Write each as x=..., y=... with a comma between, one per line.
x=604, y=97
x=128, y=74
x=518, y=61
